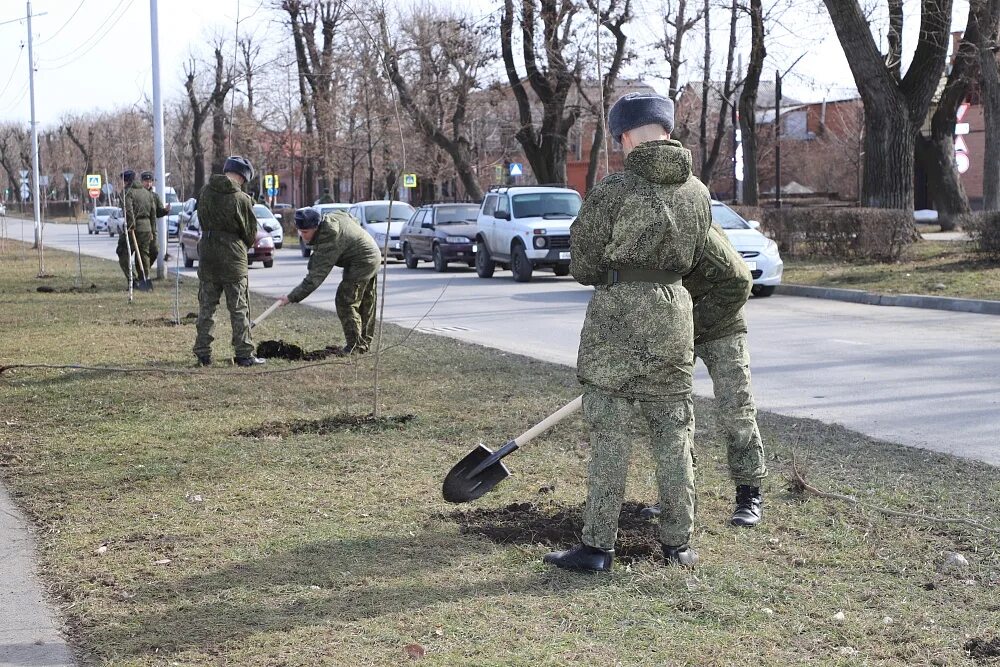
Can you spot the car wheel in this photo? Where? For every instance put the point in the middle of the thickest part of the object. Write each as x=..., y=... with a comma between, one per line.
x=439, y=264
x=561, y=270
x=520, y=265
x=89, y=231
x=277, y=246
x=408, y=257
x=188, y=262
x=762, y=290
x=268, y=263
x=484, y=263
x=111, y=233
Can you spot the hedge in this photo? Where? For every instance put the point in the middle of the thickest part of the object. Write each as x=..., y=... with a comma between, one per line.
x=984, y=228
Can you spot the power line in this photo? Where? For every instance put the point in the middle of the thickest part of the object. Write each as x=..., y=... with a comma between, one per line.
x=64, y=24
x=90, y=42
x=20, y=96
x=13, y=71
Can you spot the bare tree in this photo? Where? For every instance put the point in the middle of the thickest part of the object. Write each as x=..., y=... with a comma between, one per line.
x=710, y=154
x=677, y=24
x=987, y=14
x=201, y=104
x=748, y=105
x=895, y=104
x=550, y=81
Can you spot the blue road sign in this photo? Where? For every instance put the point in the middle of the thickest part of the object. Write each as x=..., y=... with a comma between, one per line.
x=516, y=169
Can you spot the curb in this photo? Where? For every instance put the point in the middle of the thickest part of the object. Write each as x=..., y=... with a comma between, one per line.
x=978, y=306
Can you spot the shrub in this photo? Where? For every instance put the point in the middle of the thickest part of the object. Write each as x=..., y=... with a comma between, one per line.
x=841, y=233
x=984, y=228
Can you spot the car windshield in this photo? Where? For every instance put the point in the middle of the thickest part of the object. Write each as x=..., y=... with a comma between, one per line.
x=106, y=210
x=380, y=212
x=330, y=208
x=546, y=205
x=451, y=215
x=261, y=211
x=727, y=218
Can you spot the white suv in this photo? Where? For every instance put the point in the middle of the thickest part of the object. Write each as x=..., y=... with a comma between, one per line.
x=525, y=227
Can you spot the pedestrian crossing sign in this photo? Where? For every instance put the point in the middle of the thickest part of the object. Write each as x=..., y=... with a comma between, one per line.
x=409, y=180
x=93, y=181
x=269, y=181
x=516, y=169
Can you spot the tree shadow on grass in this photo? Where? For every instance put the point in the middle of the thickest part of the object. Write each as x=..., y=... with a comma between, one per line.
x=321, y=583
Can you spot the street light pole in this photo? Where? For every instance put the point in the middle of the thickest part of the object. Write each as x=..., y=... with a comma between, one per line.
x=34, y=147
x=158, y=165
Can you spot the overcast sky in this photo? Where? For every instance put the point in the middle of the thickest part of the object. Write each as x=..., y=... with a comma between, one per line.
x=95, y=54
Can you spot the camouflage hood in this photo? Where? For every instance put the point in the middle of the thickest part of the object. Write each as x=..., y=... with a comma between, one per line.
x=665, y=162
x=220, y=183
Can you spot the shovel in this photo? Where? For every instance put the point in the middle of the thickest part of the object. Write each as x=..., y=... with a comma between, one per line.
x=482, y=469
x=260, y=318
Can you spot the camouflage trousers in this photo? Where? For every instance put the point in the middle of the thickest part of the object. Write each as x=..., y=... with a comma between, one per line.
x=143, y=248
x=728, y=362
x=237, y=301
x=355, y=303
x=671, y=425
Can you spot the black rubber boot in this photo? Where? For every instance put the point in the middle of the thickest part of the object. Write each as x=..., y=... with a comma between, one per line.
x=683, y=555
x=246, y=362
x=204, y=361
x=582, y=557
x=651, y=512
x=347, y=350
x=749, y=506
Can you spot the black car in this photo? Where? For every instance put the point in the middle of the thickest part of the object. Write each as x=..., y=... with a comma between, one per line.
x=441, y=233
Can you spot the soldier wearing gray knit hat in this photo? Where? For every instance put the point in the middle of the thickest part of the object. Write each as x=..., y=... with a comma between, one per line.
x=637, y=109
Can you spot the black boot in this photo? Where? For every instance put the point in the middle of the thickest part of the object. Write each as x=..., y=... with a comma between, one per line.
x=651, y=512
x=346, y=351
x=582, y=557
x=246, y=362
x=749, y=506
x=683, y=555
x=204, y=360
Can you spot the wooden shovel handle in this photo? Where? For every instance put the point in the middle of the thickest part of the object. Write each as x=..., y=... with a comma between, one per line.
x=549, y=422
x=270, y=309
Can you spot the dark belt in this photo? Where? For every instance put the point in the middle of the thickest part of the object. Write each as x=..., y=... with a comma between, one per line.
x=219, y=234
x=660, y=276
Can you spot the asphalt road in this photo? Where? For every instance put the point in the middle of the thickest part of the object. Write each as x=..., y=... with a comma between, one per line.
x=923, y=378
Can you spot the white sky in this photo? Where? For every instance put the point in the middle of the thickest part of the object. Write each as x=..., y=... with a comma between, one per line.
x=102, y=59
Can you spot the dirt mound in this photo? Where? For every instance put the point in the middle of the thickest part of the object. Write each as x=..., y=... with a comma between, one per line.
x=190, y=318
x=336, y=423
x=983, y=650
x=279, y=349
x=49, y=289
x=529, y=524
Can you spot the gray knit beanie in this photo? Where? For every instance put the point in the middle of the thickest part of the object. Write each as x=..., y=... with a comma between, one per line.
x=637, y=109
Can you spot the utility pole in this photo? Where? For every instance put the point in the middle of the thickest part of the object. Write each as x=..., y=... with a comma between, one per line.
x=777, y=139
x=158, y=165
x=34, y=148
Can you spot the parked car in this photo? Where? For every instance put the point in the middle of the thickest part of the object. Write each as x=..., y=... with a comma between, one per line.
x=262, y=250
x=759, y=252
x=373, y=216
x=441, y=233
x=173, y=218
x=271, y=224
x=98, y=220
x=525, y=227
x=3, y=210
x=322, y=209
x=116, y=222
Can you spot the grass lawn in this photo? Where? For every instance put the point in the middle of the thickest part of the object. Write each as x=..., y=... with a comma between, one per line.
x=237, y=517
x=938, y=268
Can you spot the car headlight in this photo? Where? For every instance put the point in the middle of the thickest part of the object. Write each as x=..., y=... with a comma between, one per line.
x=771, y=248
x=266, y=242
x=457, y=239
x=540, y=242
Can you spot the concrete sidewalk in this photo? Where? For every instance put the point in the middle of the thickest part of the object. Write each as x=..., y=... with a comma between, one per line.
x=29, y=631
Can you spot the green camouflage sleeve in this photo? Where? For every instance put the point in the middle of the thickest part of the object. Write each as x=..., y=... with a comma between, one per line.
x=129, y=209
x=153, y=213
x=160, y=209
x=722, y=282
x=248, y=221
x=590, y=234
x=324, y=257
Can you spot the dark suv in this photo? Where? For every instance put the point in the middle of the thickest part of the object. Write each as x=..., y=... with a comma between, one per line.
x=441, y=233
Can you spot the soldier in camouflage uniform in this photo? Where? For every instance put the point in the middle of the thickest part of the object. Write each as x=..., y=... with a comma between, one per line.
x=720, y=286
x=636, y=234
x=229, y=227
x=161, y=211
x=139, y=233
x=339, y=240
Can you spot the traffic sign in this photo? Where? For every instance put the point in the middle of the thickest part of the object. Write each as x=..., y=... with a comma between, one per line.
x=516, y=169
x=277, y=183
x=93, y=181
x=409, y=180
x=94, y=193
x=269, y=181
x=962, y=162
x=272, y=191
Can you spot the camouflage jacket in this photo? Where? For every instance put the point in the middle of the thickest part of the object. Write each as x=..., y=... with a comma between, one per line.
x=228, y=226
x=719, y=287
x=339, y=241
x=638, y=338
x=140, y=209
x=161, y=210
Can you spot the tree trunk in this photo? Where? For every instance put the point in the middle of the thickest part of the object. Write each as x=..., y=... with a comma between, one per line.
x=748, y=105
x=936, y=155
x=987, y=12
x=712, y=158
x=888, y=181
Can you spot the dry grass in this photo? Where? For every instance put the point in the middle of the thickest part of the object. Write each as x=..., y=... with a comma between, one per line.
x=333, y=546
x=938, y=268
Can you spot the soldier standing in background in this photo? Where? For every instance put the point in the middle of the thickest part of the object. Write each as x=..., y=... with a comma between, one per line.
x=338, y=240
x=161, y=211
x=139, y=233
x=229, y=227
x=636, y=234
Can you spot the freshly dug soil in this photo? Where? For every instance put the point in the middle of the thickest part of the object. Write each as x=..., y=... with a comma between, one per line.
x=560, y=527
x=982, y=650
x=49, y=289
x=279, y=349
x=365, y=423
x=190, y=318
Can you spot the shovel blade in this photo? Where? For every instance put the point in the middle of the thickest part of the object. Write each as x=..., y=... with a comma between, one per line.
x=461, y=487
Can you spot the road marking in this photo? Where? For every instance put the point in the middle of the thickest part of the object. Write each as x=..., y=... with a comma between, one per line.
x=432, y=330
x=847, y=342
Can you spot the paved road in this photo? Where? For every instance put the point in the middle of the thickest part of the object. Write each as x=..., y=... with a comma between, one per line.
x=923, y=378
